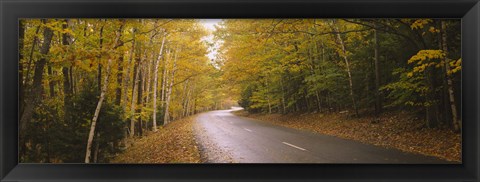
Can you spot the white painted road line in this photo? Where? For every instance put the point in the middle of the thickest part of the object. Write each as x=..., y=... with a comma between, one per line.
x=294, y=146
x=247, y=129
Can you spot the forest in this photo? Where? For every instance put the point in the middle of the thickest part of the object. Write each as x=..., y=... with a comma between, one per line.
x=361, y=66
x=95, y=85
x=88, y=84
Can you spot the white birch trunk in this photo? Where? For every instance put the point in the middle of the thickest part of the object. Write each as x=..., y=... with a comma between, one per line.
x=345, y=57
x=151, y=68
x=169, y=91
x=99, y=104
x=187, y=103
x=164, y=79
x=132, y=106
x=457, y=123
x=155, y=84
x=148, y=79
x=127, y=74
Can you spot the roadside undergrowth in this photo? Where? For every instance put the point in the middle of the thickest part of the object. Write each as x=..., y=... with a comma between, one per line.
x=391, y=130
x=173, y=143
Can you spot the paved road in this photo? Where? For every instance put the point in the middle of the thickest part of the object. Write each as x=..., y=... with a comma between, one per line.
x=224, y=137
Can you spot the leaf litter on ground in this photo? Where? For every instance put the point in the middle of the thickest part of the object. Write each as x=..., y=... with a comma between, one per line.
x=173, y=143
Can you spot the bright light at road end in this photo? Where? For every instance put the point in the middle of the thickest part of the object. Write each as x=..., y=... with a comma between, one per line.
x=236, y=108
x=209, y=24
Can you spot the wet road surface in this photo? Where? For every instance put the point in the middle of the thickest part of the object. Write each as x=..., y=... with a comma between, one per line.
x=226, y=138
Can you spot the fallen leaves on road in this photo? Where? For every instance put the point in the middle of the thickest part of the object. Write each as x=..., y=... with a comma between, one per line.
x=395, y=130
x=174, y=143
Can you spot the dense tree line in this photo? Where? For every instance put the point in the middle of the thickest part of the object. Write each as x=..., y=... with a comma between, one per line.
x=363, y=66
x=87, y=85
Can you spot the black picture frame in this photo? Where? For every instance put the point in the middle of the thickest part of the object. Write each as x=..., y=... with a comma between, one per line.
x=11, y=11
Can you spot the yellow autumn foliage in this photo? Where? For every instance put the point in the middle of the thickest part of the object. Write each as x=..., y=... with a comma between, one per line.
x=420, y=23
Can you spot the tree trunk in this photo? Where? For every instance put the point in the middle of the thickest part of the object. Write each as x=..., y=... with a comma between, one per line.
x=184, y=97
x=431, y=105
x=457, y=122
x=95, y=117
x=139, y=98
x=347, y=64
x=194, y=106
x=30, y=59
x=189, y=98
x=67, y=88
x=164, y=79
x=170, y=87
x=135, y=89
x=100, y=101
x=118, y=91
x=99, y=57
x=155, y=85
x=127, y=73
x=37, y=89
x=97, y=148
x=72, y=80
x=446, y=115
x=143, y=80
x=51, y=83
x=148, y=78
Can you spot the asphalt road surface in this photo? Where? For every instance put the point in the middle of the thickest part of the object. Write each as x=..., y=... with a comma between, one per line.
x=226, y=138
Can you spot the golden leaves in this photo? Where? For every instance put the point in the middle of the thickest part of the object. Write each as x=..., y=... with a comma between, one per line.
x=424, y=55
x=174, y=143
x=455, y=66
x=425, y=58
x=420, y=23
x=433, y=30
